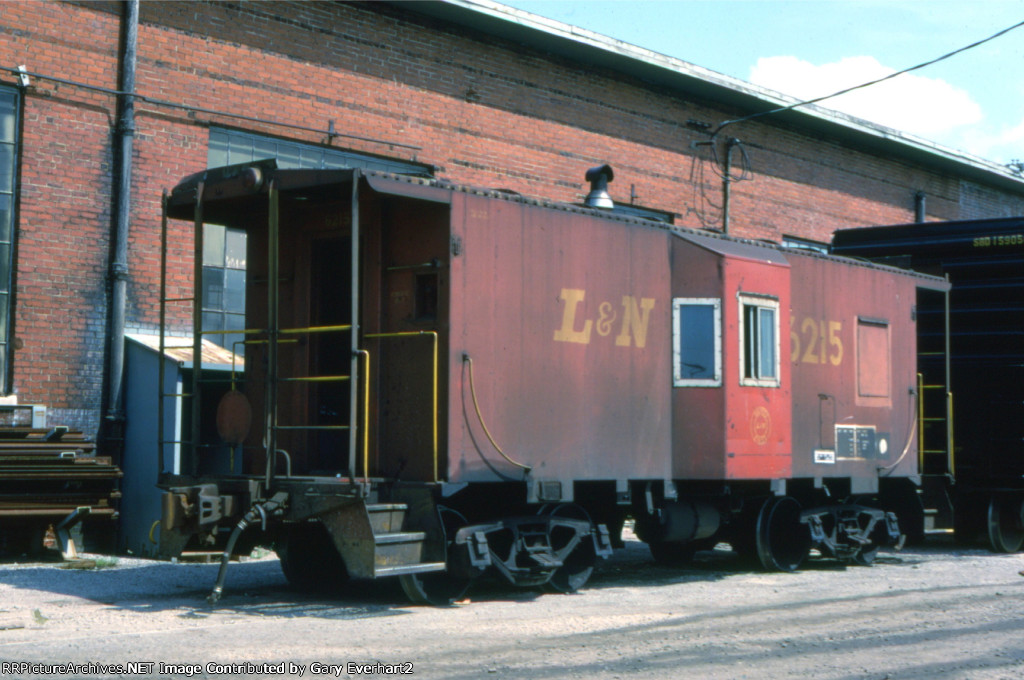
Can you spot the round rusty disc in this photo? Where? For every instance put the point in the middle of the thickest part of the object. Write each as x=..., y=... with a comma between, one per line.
x=234, y=417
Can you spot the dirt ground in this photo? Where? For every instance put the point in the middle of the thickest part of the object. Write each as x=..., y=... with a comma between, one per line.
x=934, y=612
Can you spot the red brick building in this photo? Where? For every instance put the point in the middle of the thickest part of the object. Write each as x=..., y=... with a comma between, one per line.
x=472, y=91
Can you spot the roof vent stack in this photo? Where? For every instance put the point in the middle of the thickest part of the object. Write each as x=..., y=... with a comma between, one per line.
x=598, y=196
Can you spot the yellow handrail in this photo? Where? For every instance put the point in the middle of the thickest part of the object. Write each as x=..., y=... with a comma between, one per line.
x=365, y=355
x=951, y=455
x=920, y=423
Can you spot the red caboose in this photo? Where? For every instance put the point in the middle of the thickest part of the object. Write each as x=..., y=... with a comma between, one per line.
x=446, y=379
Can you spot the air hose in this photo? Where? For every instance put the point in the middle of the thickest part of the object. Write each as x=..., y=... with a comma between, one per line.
x=258, y=511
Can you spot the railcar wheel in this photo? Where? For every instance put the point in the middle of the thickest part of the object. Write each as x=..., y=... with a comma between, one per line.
x=782, y=542
x=309, y=559
x=1005, y=533
x=579, y=564
x=442, y=588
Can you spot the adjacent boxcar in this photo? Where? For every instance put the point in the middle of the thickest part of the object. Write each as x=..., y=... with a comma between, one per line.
x=445, y=380
x=984, y=260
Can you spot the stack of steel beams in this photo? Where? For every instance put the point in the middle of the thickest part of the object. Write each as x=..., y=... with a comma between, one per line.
x=51, y=479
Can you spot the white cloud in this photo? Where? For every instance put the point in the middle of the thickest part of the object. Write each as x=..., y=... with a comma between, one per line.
x=922, y=106
x=1006, y=144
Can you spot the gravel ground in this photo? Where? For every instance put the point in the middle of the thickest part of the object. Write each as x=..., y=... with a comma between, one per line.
x=932, y=612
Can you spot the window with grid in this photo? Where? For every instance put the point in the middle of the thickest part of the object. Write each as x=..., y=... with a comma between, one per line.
x=9, y=108
x=224, y=247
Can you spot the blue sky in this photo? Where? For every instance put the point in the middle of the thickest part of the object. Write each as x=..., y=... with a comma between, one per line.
x=973, y=101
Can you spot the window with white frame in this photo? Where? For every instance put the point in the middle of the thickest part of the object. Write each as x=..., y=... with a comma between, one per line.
x=697, y=342
x=759, y=337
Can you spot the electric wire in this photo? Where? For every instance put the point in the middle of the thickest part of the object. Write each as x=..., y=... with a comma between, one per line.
x=706, y=206
x=867, y=84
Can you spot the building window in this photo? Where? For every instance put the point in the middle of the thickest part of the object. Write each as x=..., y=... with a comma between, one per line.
x=759, y=335
x=224, y=285
x=9, y=108
x=229, y=147
x=697, y=342
x=224, y=248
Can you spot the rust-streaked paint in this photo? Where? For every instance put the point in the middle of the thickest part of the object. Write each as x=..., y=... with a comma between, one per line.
x=566, y=316
x=732, y=431
x=853, y=362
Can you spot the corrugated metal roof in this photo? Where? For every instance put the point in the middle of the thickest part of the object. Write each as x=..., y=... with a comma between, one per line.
x=180, y=350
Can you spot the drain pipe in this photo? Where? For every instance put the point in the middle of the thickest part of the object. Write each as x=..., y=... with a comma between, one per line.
x=123, y=139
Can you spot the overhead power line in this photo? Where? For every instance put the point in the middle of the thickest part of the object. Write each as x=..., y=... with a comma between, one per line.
x=868, y=84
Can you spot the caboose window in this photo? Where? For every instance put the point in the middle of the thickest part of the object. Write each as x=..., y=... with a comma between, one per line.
x=697, y=342
x=759, y=333
x=873, y=364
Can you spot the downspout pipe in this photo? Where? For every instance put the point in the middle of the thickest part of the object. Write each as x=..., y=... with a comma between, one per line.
x=123, y=139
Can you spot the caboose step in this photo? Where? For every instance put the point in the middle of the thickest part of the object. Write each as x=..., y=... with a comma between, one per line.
x=400, y=537
x=398, y=549
x=386, y=518
x=371, y=541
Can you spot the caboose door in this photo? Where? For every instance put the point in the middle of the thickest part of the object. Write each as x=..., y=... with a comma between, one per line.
x=407, y=351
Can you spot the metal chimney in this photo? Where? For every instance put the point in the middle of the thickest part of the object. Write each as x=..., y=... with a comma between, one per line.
x=598, y=196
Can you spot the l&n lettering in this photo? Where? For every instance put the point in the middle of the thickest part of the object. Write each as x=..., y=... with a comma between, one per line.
x=636, y=315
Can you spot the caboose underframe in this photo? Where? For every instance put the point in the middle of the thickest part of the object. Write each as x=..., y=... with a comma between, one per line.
x=442, y=380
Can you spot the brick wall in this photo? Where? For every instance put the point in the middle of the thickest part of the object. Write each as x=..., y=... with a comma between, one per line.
x=483, y=111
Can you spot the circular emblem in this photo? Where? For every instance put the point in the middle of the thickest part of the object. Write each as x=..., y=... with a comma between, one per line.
x=760, y=425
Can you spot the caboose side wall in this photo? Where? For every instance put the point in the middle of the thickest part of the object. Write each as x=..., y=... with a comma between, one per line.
x=565, y=319
x=853, y=358
x=697, y=412
x=733, y=429
x=758, y=441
